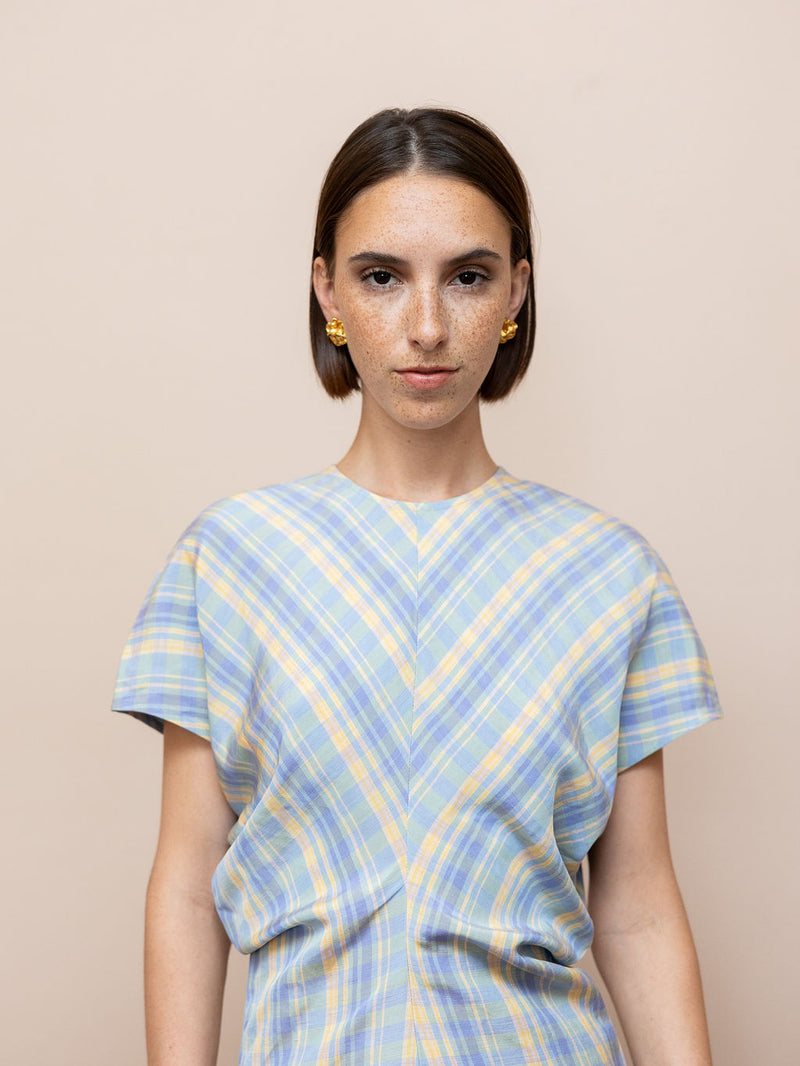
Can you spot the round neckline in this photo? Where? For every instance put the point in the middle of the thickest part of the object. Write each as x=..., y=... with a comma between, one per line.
x=447, y=501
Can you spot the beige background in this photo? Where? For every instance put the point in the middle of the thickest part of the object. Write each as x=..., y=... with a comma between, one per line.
x=161, y=166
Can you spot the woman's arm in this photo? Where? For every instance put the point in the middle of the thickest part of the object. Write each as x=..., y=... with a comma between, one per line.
x=643, y=945
x=186, y=948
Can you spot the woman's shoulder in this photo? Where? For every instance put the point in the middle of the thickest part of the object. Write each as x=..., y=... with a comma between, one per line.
x=270, y=506
x=557, y=515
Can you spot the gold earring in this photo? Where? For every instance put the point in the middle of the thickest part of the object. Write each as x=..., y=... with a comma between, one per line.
x=508, y=330
x=335, y=331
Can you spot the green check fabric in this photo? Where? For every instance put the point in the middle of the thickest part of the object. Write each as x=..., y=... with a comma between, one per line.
x=418, y=712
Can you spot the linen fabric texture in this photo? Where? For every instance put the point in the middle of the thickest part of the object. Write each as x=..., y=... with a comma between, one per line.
x=418, y=712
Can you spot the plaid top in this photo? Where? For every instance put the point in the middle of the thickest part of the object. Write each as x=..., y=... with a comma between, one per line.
x=418, y=711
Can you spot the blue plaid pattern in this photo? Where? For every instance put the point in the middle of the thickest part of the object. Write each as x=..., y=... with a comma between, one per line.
x=417, y=711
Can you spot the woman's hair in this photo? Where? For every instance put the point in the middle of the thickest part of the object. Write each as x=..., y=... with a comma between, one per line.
x=435, y=141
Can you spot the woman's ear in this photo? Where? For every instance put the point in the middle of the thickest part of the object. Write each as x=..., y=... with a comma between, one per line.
x=323, y=288
x=520, y=275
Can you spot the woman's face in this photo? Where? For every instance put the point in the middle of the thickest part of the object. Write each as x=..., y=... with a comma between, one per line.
x=422, y=282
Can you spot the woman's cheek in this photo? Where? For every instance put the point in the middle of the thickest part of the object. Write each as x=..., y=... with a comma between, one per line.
x=369, y=323
x=480, y=329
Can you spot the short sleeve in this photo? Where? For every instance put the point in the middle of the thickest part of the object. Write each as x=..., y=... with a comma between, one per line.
x=162, y=675
x=669, y=689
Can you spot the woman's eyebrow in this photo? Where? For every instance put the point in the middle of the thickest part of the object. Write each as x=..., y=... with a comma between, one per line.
x=475, y=253
x=385, y=259
x=377, y=257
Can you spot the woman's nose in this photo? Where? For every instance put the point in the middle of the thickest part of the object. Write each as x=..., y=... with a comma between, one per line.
x=428, y=320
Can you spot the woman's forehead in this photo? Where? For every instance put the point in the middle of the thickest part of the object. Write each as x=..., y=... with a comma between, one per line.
x=415, y=208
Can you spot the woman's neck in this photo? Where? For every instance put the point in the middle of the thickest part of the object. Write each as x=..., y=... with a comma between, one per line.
x=419, y=464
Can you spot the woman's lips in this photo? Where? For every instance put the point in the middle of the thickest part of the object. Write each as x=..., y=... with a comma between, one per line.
x=426, y=377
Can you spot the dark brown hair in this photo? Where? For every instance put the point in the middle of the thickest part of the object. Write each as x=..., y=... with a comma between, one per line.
x=437, y=141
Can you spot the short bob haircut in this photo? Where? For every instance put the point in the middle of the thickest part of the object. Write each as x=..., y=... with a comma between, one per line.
x=435, y=141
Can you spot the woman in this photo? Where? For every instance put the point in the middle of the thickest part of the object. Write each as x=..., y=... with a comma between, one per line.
x=399, y=696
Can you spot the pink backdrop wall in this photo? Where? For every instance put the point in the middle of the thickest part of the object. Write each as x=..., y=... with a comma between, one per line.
x=161, y=168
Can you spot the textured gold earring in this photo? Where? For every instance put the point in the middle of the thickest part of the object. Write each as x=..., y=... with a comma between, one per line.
x=508, y=330
x=335, y=331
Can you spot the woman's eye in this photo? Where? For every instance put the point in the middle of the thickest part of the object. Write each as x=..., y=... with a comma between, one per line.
x=379, y=277
x=470, y=277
